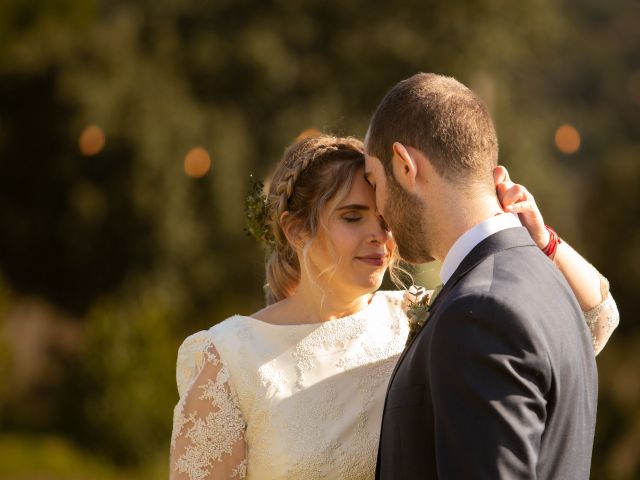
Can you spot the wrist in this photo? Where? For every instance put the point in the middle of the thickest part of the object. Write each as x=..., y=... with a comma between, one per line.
x=543, y=238
x=553, y=241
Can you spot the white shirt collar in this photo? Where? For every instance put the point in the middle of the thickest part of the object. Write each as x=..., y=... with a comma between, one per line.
x=469, y=239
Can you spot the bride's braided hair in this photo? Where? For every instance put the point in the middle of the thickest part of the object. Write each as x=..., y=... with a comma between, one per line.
x=310, y=173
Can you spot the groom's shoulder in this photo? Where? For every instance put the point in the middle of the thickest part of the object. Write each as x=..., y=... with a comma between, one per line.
x=477, y=319
x=520, y=285
x=521, y=267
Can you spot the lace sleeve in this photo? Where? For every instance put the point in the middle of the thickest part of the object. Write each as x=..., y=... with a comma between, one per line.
x=207, y=442
x=603, y=318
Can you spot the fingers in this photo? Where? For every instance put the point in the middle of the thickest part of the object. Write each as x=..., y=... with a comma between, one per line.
x=513, y=195
x=518, y=200
x=503, y=186
x=520, y=207
x=501, y=175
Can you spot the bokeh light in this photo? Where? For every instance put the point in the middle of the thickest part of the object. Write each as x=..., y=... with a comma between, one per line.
x=567, y=139
x=92, y=140
x=197, y=162
x=308, y=133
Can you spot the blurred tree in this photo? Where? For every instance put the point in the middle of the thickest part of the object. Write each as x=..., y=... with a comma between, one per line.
x=121, y=392
x=95, y=220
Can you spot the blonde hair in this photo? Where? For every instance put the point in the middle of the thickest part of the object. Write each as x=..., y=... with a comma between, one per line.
x=312, y=174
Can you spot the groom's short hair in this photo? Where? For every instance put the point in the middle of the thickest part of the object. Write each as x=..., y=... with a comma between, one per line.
x=444, y=119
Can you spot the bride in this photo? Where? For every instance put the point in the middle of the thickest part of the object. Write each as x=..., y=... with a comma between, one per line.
x=296, y=390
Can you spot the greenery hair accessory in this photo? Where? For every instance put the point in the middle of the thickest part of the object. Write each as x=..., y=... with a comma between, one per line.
x=256, y=209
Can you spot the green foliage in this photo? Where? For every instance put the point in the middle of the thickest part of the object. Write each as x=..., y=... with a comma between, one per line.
x=257, y=215
x=5, y=353
x=126, y=380
x=618, y=425
x=52, y=458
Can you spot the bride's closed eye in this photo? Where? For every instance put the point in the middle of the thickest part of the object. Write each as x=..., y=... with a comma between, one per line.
x=352, y=213
x=352, y=218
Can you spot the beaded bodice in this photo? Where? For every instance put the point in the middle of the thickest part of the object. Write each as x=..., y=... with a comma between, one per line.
x=311, y=396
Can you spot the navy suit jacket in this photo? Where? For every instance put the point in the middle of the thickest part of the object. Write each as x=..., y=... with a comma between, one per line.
x=501, y=382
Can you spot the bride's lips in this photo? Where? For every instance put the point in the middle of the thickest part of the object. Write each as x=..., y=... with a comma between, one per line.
x=373, y=260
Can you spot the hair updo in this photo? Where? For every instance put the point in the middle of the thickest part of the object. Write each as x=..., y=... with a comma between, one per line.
x=309, y=175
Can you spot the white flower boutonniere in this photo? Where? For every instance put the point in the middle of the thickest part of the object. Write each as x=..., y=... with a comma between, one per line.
x=419, y=306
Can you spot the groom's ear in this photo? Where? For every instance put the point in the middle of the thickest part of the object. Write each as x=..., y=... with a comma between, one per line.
x=405, y=167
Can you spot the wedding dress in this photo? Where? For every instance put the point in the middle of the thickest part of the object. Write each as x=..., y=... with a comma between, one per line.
x=265, y=401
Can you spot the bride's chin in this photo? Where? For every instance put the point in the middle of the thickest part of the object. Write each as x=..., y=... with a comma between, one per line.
x=375, y=281
x=369, y=283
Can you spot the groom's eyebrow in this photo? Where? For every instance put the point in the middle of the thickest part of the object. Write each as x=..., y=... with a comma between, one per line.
x=353, y=206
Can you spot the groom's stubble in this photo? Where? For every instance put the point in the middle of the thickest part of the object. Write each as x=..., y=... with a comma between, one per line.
x=405, y=215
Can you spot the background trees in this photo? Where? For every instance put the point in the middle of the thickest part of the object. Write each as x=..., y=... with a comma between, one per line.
x=117, y=240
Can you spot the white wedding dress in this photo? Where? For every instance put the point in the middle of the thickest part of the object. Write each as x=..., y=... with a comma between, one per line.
x=264, y=401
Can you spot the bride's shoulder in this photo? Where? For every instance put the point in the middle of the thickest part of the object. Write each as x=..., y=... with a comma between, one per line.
x=204, y=347
x=204, y=339
x=192, y=356
x=229, y=325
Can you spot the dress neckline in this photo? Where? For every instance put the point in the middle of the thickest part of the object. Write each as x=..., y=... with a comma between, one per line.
x=332, y=321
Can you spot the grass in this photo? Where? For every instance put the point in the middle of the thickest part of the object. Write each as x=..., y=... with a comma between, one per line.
x=53, y=458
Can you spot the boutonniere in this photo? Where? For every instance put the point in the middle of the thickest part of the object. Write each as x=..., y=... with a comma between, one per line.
x=419, y=307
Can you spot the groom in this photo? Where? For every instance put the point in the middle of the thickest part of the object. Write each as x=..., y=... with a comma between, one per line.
x=501, y=381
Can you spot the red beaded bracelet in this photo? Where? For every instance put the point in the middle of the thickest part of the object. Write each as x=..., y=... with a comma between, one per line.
x=554, y=241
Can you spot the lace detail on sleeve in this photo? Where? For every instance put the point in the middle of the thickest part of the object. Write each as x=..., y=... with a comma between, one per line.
x=208, y=441
x=602, y=319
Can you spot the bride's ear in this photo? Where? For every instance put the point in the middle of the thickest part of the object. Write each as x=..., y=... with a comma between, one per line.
x=405, y=168
x=292, y=230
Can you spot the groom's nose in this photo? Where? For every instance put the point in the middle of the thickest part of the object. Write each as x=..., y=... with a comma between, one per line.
x=380, y=232
x=383, y=223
